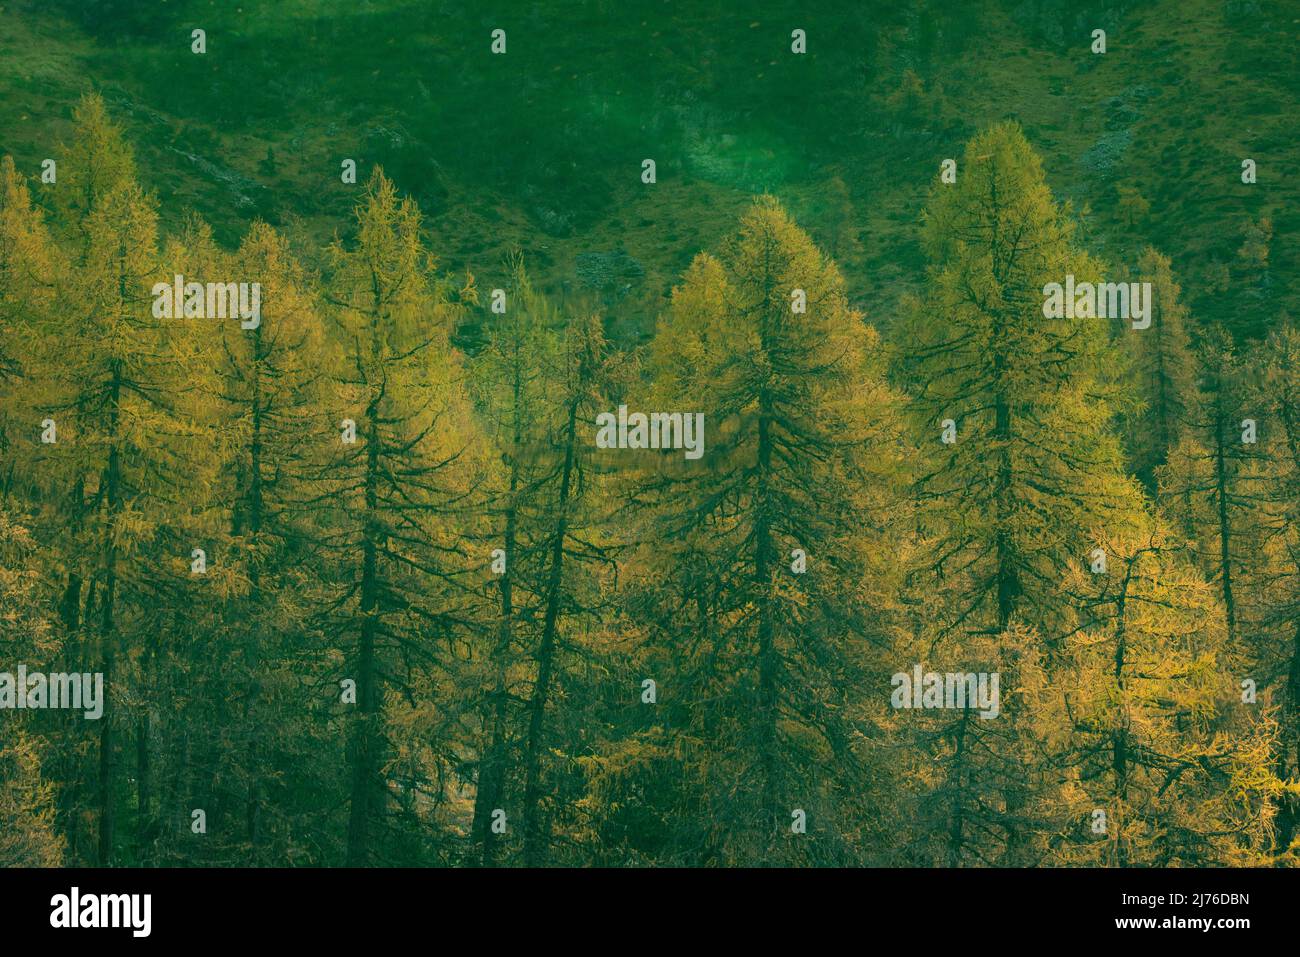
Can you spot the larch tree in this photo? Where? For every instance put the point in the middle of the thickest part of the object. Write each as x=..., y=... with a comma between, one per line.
x=395, y=498
x=66, y=476
x=773, y=568
x=31, y=834
x=96, y=162
x=513, y=376
x=1163, y=369
x=270, y=378
x=1162, y=763
x=109, y=360
x=1214, y=480
x=1277, y=642
x=30, y=267
x=116, y=376
x=1015, y=408
x=571, y=555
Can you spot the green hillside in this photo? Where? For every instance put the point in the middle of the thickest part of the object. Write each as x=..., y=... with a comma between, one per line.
x=542, y=148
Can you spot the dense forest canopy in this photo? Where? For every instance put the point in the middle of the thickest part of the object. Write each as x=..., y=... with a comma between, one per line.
x=621, y=435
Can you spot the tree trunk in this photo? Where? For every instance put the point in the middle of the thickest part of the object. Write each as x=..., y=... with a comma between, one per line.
x=255, y=508
x=363, y=746
x=107, y=638
x=768, y=655
x=535, y=840
x=1225, y=533
x=493, y=768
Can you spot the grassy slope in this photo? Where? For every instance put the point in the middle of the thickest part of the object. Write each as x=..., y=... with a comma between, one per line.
x=542, y=148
